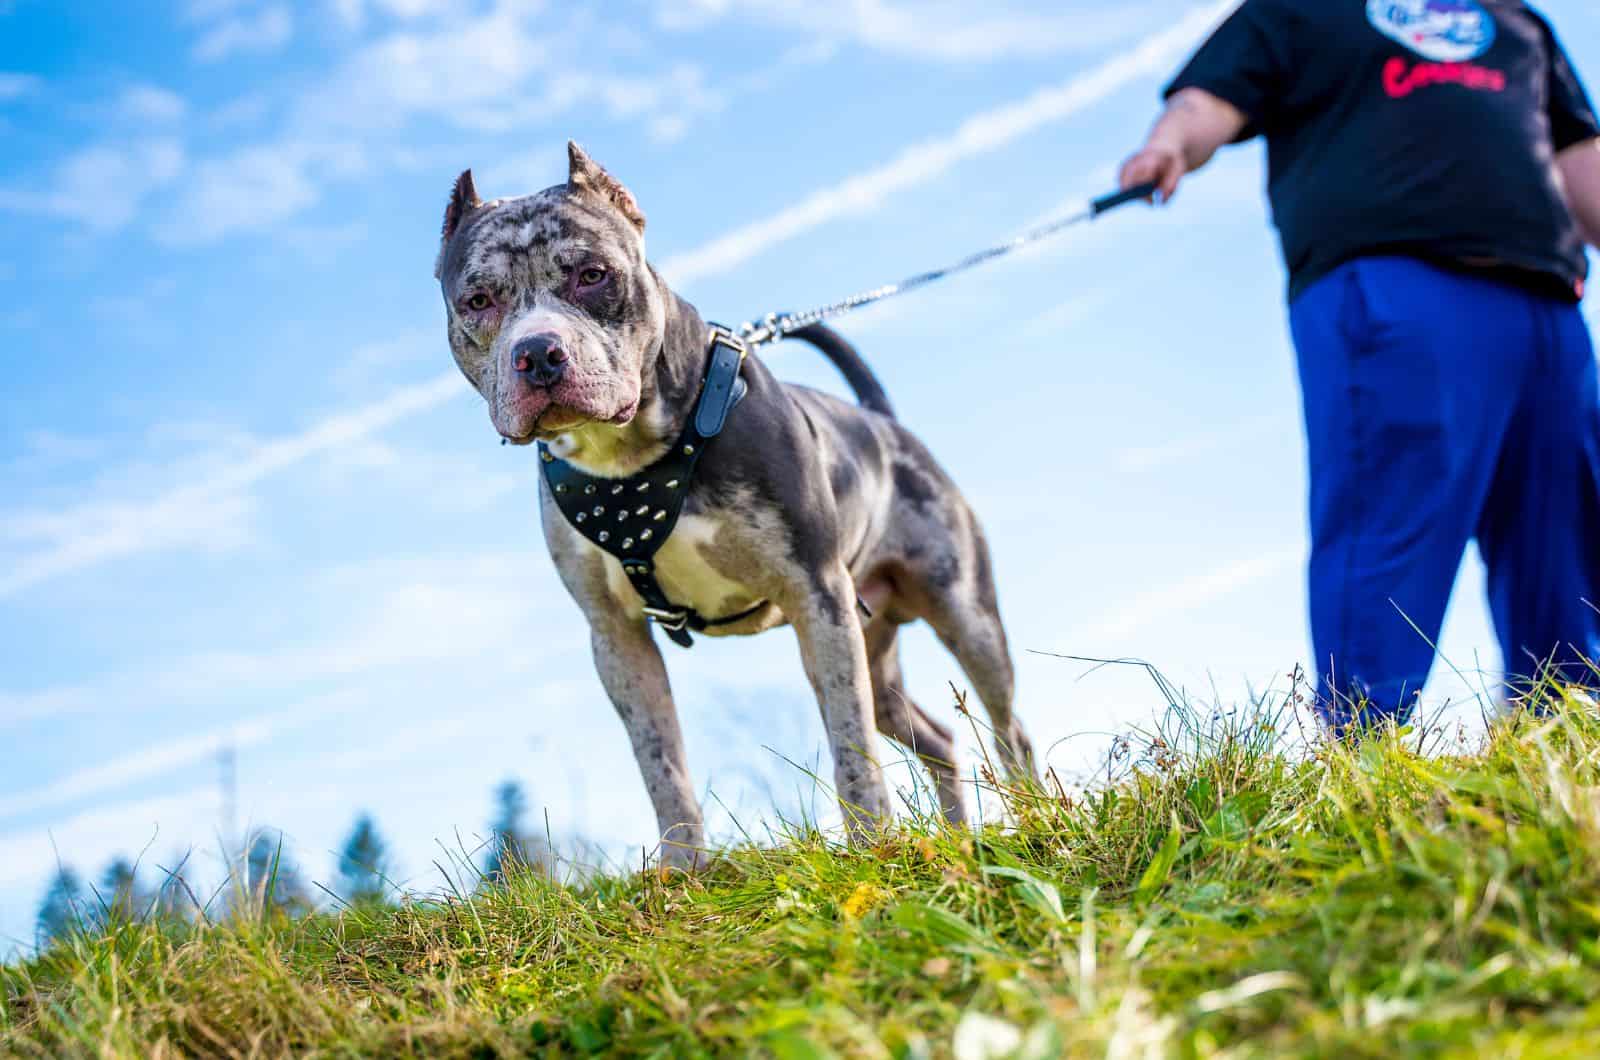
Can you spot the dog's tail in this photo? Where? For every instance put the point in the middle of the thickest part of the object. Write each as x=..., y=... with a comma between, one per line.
x=836, y=348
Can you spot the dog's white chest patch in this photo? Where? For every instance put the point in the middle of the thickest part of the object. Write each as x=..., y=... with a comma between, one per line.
x=686, y=569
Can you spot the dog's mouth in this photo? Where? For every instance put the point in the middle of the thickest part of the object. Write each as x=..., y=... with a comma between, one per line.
x=523, y=415
x=557, y=420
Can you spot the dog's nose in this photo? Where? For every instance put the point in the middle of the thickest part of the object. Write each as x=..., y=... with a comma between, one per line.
x=539, y=359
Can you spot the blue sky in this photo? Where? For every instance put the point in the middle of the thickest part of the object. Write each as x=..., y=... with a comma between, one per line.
x=245, y=500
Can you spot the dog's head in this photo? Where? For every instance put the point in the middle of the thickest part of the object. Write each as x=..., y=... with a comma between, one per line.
x=553, y=314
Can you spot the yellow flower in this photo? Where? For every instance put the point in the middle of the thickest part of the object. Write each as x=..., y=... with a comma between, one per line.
x=865, y=898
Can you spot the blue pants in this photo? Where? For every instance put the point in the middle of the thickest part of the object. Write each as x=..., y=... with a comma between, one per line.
x=1442, y=407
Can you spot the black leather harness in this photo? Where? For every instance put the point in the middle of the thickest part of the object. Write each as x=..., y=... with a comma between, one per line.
x=631, y=518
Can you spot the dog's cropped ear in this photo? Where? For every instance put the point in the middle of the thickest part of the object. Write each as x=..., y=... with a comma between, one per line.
x=463, y=200
x=585, y=176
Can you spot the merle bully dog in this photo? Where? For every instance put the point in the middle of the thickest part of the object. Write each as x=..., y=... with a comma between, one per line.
x=685, y=485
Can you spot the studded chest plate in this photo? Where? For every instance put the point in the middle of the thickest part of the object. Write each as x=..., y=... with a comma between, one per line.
x=627, y=517
x=632, y=517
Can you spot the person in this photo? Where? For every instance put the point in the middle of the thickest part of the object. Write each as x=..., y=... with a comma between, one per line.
x=1434, y=175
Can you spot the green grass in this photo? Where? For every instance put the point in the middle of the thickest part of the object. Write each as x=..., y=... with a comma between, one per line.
x=1221, y=896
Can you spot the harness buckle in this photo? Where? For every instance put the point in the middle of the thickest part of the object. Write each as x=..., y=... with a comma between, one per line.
x=721, y=336
x=671, y=621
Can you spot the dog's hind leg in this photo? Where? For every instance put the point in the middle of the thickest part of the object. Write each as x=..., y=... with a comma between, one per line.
x=966, y=617
x=630, y=668
x=978, y=641
x=900, y=719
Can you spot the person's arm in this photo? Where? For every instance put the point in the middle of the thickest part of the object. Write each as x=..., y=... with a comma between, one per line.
x=1580, y=174
x=1228, y=91
x=1575, y=135
x=1191, y=129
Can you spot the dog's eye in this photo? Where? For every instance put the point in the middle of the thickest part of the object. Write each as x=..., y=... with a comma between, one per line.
x=591, y=276
x=479, y=302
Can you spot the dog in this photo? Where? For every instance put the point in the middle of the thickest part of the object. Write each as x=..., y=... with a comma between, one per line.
x=805, y=510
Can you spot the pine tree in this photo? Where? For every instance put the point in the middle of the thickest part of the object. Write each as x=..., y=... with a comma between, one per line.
x=121, y=896
x=62, y=909
x=176, y=901
x=272, y=880
x=506, y=830
x=364, y=864
x=511, y=847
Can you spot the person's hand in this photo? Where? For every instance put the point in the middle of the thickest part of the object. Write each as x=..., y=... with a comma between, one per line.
x=1156, y=163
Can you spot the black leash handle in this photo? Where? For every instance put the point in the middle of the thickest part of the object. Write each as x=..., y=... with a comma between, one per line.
x=1122, y=198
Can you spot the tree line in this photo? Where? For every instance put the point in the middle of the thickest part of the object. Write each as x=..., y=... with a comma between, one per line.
x=262, y=878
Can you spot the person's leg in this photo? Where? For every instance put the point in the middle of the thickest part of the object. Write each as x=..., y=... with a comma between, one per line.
x=1405, y=371
x=1540, y=530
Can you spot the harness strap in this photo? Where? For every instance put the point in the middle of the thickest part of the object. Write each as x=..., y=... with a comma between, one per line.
x=631, y=518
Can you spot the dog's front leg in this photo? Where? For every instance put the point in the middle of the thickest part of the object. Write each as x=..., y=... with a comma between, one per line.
x=630, y=667
x=835, y=656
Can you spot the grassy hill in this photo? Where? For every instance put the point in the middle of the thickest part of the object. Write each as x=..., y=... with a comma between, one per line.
x=1222, y=896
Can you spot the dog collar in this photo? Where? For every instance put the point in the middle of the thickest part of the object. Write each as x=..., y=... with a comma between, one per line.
x=631, y=518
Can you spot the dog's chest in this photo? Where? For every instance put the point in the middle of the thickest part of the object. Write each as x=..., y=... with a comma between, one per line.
x=696, y=570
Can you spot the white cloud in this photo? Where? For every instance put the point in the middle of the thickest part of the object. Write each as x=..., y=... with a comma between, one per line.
x=948, y=30
x=25, y=855
x=522, y=173
x=15, y=86
x=251, y=189
x=450, y=484
x=512, y=66
x=182, y=520
x=404, y=744
x=794, y=58
x=48, y=451
x=492, y=73
x=208, y=513
x=1057, y=322
x=1143, y=458
x=978, y=135
x=205, y=10
x=240, y=112
x=1188, y=595
x=415, y=8
x=265, y=31
x=352, y=13
x=160, y=760
x=104, y=186
x=481, y=62
x=349, y=12
x=324, y=244
x=496, y=72
x=256, y=187
x=382, y=358
x=151, y=103
x=390, y=619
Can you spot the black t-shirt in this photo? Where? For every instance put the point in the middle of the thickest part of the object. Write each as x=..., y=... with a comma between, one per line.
x=1419, y=127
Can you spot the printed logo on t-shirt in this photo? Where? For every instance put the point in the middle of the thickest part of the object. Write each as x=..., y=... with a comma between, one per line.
x=1443, y=31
